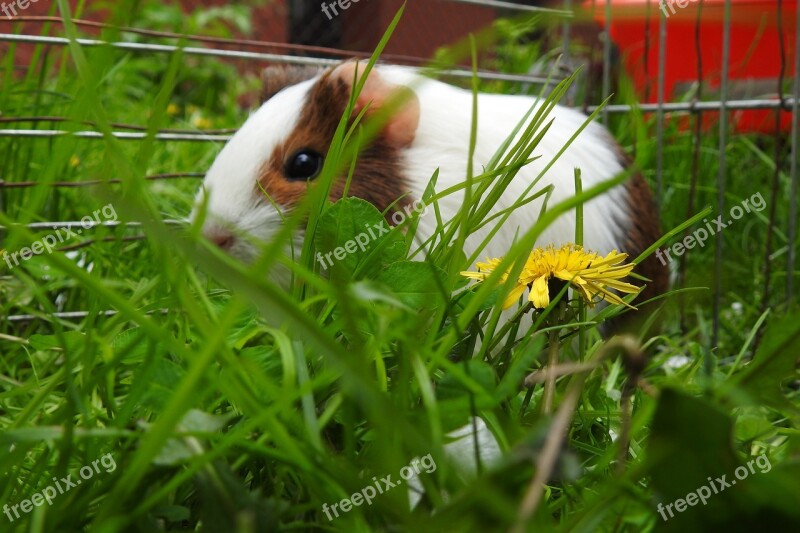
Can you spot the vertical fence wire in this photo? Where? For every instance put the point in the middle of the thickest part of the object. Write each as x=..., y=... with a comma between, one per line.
x=565, y=30
x=646, y=57
x=723, y=141
x=792, y=230
x=606, y=58
x=662, y=67
x=696, y=109
x=776, y=175
x=590, y=80
x=696, y=146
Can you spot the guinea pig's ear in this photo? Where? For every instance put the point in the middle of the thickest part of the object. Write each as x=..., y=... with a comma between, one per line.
x=276, y=78
x=401, y=128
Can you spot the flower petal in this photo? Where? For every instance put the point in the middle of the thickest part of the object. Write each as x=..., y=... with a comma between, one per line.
x=513, y=296
x=540, y=296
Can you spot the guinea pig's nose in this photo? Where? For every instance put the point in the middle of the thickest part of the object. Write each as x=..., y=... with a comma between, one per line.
x=221, y=238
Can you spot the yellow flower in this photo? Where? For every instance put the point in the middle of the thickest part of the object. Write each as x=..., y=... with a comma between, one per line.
x=592, y=275
x=74, y=161
x=173, y=109
x=201, y=123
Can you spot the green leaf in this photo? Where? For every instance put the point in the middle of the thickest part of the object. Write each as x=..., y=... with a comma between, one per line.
x=370, y=291
x=173, y=513
x=751, y=426
x=353, y=237
x=463, y=387
x=691, y=442
x=452, y=384
x=512, y=381
x=196, y=421
x=130, y=341
x=178, y=450
x=414, y=284
x=72, y=340
x=761, y=380
x=165, y=377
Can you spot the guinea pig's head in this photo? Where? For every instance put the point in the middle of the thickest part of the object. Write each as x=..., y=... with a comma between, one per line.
x=269, y=165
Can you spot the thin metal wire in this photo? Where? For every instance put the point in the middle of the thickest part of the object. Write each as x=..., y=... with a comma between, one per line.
x=89, y=183
x=662, y=67
x=696, y=150
x=255, y=56
x=787, y=103
x=64, y=224
x=120, y=125
x=89, y=242
x=776, y=175
x=565, y=33
x=723, y=141
x=589, y=80
x=66, y=315
x=646, y=55
x=167, y=48
x=302, y=48
x=792, y=230
x=516, y=7
x=122, y=135
x=606, y=58
x=723, y=106
x=72, y=315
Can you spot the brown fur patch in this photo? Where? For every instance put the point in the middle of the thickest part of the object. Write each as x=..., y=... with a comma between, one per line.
x=276, y=78
x=378, y=174
x=643, y=229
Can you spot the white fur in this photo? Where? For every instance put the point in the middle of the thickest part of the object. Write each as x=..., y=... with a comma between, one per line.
x=442, y=141
x=235, y=203
x=461, y=454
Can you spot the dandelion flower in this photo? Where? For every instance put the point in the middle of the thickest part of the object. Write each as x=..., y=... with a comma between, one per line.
x=590, y=274
x=484, y=269
x=201, y=123
x=173, y=109
x=74, y=161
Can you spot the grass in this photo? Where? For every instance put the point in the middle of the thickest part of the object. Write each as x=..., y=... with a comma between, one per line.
x=228, y=404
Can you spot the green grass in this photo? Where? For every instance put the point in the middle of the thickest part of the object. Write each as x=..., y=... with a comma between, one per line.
x=229, y=404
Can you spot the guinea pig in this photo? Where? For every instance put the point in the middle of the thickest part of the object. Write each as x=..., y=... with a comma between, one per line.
x=281, y=148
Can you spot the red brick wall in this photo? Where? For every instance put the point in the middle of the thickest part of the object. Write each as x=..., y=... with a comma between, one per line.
x=425, y=26
x=269, y=21
x=23, y=52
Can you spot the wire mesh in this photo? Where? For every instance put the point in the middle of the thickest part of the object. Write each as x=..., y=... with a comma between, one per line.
x=305, y=54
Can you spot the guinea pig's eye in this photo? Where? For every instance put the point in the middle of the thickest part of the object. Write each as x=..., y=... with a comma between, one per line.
x=304, y=165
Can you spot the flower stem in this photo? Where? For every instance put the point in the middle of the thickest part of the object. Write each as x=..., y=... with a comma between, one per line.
x=552, y=362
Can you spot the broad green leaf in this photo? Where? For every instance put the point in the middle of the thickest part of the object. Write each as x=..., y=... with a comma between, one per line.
x=691, y=446
x=347, y=235
x=512, y=381
x=775, y=362
x=177, y=449
x=72, y=339
x=413, y=283
x=463, y=388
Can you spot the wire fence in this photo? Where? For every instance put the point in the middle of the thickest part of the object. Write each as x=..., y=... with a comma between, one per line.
x=695, y=107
